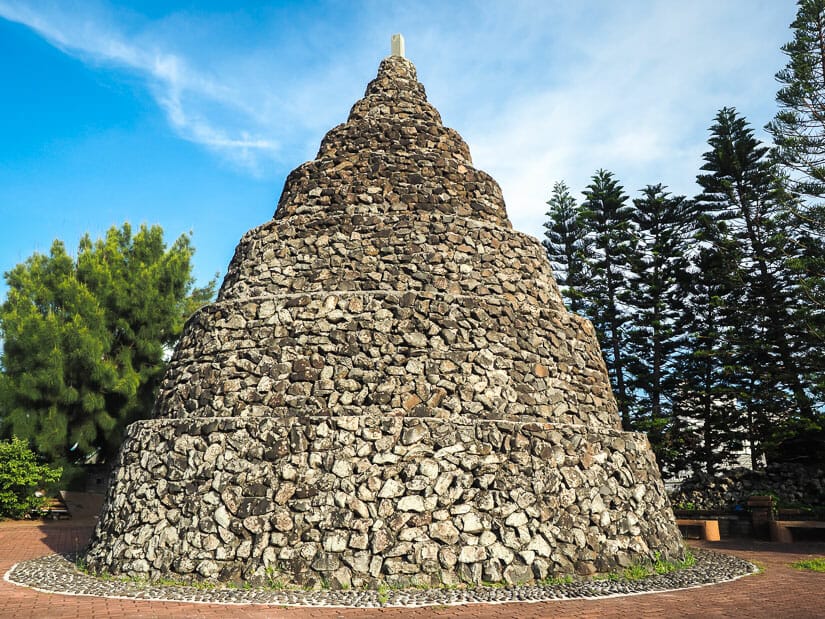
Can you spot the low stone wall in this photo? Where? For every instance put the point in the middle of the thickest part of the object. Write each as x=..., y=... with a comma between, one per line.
x=356, y=501
x=792, y=484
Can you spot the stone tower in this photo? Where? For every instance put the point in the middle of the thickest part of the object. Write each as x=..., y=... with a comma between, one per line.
x=388, y=388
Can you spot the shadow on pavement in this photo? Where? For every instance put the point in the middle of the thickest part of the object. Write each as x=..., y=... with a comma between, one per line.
x=813, y=547
x=73, y=533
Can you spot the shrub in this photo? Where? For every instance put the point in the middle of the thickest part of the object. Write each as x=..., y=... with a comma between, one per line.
x=20, y=476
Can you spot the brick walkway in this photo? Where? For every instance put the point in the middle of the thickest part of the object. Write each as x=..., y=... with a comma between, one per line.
x=779, y=592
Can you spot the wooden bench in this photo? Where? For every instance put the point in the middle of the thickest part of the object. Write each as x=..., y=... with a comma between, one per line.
x=781, y=529
x=709, y=529
x=55, y=507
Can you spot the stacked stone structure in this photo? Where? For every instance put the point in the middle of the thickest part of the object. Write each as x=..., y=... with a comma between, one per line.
x=388, y=389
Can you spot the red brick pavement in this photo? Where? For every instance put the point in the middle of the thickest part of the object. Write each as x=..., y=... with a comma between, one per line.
x=779, y=592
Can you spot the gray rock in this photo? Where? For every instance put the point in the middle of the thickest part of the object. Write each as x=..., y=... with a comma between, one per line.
x=516, y=519
x=472, y=554
x=336, y=542
x=471, y=523
x=414, y=503
x=391, y=489
x=222, y=517
x=517, y=574
x=207, y=569
x=444, y=531
x=417, y=340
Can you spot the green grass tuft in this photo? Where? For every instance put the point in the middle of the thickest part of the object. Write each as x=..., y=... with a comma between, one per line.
x=383, y=594
x=637, y=572
x=817, y=564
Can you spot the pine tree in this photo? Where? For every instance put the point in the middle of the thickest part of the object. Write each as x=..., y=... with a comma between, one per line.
x=54, y=359
x=84, y=340
x=565, y=244
x=706, y=426
x=147, y=292
x=798, y=129
x=742, y=188
x=664, y=228
x=608, y=219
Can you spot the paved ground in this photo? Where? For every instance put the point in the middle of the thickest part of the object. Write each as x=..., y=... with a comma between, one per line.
x=779, y=592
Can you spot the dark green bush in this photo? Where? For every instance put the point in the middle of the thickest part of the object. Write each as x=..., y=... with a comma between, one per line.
x=20, y=477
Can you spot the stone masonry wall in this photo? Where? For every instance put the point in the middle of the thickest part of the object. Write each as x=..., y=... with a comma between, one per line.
x=352, y=251
x=388, y=389
x=354, y=501
x=413, y=354
x=394, y=141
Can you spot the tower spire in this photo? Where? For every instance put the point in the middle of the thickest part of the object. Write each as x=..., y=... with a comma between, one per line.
x=398, y=45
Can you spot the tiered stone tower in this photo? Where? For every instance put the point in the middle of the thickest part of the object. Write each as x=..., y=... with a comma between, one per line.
x=388, y=388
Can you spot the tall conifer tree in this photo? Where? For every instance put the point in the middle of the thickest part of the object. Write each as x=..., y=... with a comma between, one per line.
x=743, y=188
x=663, y=226
x=798, y=129
x=608, y=219
x=565, y=243
x=707, y=428
x=741, y=183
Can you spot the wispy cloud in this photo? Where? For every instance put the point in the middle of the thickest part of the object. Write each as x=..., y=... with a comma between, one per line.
x=185, y=94
x=634, y=92
x=542, y=91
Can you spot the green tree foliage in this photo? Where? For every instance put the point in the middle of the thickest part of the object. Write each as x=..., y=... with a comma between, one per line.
x=54, y=360
x=84, y=339
x=697, y=311
x=743, y=189
x=147, y=293
x=798, y=129
x=717, y=337
x=565, y=243
x=664, y=229
x=608, y=218
x=706, y=426
x=20, y=477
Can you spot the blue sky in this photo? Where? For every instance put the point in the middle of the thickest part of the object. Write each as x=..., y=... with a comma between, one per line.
x=191, y=114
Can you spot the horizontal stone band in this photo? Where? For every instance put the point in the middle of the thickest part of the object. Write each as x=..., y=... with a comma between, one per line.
x=360, y=499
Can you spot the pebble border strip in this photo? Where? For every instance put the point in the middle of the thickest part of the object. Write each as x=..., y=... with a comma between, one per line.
x=57, y=574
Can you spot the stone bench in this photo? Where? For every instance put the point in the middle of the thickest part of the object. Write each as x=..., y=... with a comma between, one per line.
x=709, y=527
x=781, y=529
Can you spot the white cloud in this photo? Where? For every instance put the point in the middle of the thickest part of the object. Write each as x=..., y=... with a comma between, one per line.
x=542, y=91
x=185, y=94
x=635, y=96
